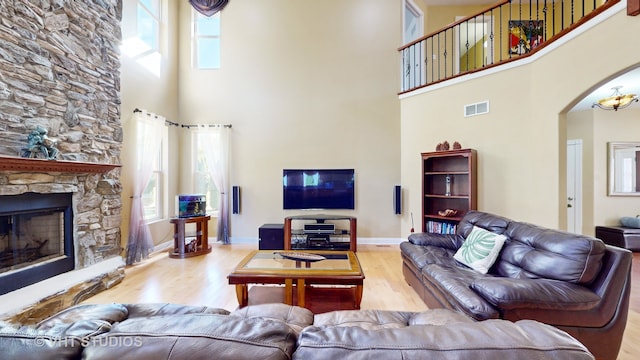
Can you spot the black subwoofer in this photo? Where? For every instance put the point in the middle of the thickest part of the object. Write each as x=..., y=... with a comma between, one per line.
x=271, y=237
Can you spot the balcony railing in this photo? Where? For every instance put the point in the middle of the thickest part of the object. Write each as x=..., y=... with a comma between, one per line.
x=505, y=32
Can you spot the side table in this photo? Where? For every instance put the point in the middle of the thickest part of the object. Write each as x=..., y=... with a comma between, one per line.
x=180, y=250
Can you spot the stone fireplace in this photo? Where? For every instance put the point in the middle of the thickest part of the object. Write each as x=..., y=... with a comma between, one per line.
x=60, y=71
x=81, y=204
x=36, y=238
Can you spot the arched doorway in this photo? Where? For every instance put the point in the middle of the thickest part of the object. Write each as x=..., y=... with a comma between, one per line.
x=595, y=128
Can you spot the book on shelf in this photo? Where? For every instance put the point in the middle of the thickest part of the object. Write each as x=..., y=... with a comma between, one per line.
x=440, y=227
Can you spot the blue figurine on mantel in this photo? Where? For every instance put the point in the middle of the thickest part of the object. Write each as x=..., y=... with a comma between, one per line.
x=40, y=145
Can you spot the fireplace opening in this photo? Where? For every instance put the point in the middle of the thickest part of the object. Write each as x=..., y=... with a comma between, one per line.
x=36, y=238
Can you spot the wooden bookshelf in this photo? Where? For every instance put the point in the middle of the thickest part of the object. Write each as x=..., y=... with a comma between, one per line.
x=448, y=183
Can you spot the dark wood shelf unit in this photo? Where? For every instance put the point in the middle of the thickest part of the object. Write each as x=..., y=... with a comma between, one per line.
x=201, y=236
x=459, y=166
x=351, y=232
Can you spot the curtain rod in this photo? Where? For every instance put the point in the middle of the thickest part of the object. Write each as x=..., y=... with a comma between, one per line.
x=206, y=125
x=136, y=110
x=166, y=122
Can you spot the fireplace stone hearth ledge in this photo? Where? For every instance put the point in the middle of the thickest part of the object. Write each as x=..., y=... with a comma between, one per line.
x=36, y=302
x=96, y=206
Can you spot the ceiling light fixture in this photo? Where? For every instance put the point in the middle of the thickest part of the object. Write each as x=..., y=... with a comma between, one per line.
x=208, y=7
x=616, y=101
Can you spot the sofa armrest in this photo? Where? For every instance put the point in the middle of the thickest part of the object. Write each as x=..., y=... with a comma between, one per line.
x=508, y=293
x=448, y=241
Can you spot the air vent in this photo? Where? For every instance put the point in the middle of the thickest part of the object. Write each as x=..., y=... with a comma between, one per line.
x=476, y=109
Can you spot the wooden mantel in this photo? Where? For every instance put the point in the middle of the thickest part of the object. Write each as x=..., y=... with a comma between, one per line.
x=11, y=163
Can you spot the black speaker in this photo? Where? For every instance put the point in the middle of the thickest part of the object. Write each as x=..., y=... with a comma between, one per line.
x=271, y=237
x=397, y=199
x=235, y=199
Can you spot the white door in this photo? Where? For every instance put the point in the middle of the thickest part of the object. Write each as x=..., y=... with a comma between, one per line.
x=413, y=28
x=412, y=22
x=574, y=186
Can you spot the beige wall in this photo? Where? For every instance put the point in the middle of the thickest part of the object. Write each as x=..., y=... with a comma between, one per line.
x=521, y=140
x=143, y=89
x=438, y=17
x=305, y=84
x=301, y=93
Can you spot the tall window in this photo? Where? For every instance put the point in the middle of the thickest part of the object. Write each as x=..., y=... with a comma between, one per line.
x=155, y=192
x=144, y=46
x=149, y=23
x=202, y=181
x=206, y=41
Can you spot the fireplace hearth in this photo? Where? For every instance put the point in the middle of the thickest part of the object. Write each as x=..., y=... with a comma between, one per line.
x=36, y=238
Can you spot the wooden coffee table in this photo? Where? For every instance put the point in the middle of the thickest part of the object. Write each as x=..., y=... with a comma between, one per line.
x=271, y=267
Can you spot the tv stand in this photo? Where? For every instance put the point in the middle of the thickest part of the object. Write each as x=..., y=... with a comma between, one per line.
x=321, y=245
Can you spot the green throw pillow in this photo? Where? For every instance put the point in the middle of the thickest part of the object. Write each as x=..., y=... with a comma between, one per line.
x=480, y=249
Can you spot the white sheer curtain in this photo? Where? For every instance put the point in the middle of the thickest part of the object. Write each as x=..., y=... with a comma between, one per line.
x=147, y=132
x=218, y=165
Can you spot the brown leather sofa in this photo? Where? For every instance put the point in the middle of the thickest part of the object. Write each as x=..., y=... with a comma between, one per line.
x=573, y=282
x=278, y=331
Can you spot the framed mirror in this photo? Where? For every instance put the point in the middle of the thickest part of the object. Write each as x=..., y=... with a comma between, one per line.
x=624, y=170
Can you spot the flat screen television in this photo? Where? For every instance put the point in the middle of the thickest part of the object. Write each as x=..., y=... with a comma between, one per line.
x=318, y=189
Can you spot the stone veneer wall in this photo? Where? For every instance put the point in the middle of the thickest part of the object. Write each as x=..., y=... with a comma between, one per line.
x=60, y=69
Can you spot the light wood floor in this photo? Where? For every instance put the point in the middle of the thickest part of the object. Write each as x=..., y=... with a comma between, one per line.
x=202, y=280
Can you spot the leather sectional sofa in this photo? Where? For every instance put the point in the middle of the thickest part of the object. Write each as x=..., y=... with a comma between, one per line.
x=573, y=282
x=278, y=331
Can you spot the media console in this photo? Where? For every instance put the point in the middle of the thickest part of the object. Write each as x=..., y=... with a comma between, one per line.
x=320, y=235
